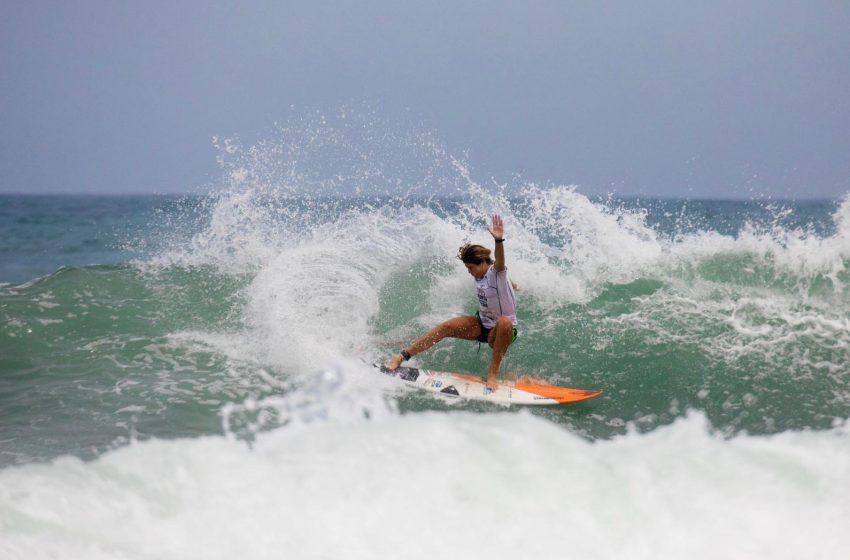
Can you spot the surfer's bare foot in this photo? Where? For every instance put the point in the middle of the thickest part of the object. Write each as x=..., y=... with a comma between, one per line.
x=492, y=384
x=395, y=361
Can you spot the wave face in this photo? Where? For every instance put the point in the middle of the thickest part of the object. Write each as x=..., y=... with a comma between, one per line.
x=167, y=363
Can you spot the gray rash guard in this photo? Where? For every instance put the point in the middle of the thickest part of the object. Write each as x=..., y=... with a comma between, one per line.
x=495, y=297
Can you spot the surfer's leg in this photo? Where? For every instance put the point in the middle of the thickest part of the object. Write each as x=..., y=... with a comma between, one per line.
x=466, y=328
x=500, y=338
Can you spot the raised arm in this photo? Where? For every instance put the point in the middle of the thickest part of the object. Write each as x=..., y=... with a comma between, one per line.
x=497, y=230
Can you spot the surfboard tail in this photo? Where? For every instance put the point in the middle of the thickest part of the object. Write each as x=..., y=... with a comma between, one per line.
x=562, y=395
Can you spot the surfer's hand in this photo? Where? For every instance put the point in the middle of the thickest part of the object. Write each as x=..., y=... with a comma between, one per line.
x=497, y=229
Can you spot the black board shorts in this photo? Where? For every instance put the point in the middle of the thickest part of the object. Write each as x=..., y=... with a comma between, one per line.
x=485, y=332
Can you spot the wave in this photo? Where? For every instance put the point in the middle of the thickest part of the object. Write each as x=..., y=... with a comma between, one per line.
x=501, y=485
x=738, y=310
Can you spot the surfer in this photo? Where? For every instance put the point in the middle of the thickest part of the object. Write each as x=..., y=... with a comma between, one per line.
x=495, y=323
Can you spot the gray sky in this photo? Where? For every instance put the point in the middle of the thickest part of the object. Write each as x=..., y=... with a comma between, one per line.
x=696, y=98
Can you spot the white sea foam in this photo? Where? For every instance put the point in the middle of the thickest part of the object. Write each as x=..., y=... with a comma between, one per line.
x=435, y=485
x=315, y=299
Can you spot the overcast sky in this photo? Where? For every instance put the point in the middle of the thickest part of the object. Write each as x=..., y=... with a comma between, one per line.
x=695, y=98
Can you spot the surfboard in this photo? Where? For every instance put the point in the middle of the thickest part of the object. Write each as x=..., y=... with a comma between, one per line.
x=463, y=386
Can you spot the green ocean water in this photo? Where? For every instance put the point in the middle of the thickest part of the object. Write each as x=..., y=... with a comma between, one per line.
x=161, y=317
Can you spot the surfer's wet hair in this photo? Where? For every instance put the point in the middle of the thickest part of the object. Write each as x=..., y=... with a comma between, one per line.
x=474, y=254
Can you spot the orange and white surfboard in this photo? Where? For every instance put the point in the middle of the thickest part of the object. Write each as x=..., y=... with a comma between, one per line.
x=458, y=385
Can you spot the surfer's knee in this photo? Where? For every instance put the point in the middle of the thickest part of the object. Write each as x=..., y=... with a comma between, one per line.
x=504, y=322
x=504, y=325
